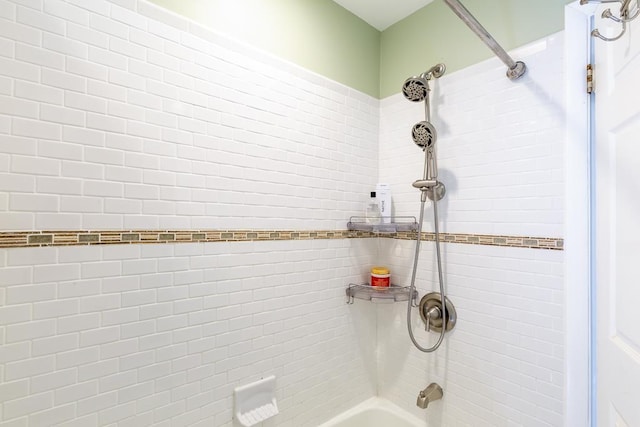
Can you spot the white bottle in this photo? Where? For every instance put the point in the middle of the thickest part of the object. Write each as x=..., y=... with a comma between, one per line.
x=372, y=213
x=383, y=194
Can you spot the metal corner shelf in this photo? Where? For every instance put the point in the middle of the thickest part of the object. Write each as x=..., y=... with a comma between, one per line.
x=396, y=224
x=380, y=294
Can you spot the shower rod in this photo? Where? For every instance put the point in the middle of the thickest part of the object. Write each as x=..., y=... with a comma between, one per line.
x=515, y=68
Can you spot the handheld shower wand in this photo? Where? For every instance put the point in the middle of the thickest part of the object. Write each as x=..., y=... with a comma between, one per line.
x=424, y=135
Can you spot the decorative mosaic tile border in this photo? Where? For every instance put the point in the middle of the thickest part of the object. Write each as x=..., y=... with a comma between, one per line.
x=19, y=239
x=12, y=239
x=491, y=240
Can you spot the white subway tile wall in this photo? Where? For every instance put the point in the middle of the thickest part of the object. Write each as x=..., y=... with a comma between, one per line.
x=114, y=115
x=154, y=125
x=503, y=364
x=119, y=115
x=500, y=151
x=165, y=332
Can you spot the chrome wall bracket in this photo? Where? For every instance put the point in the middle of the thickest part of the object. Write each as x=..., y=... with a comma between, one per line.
x=436, y=193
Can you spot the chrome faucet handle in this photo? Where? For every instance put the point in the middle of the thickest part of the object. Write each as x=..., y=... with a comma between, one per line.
x=434, y=313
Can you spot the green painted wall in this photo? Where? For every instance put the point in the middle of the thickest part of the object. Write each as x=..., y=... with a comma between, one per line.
x=319, y=35
x=323, y=37
x=435, y=34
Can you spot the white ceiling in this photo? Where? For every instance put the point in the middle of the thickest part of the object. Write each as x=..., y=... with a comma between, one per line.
x=382, y=13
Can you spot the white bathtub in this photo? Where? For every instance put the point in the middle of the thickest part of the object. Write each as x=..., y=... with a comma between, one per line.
x=375, y=412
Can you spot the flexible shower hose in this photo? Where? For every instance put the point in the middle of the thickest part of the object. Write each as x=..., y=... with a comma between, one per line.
x=440, y=277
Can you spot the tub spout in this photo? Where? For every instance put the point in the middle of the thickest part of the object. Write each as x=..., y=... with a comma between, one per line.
x=428, y=395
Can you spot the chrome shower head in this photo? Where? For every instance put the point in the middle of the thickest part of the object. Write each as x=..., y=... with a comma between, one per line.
x=416, y=88
x=424, y=134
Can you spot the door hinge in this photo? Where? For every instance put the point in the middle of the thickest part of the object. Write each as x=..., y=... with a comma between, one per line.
x=589, y=78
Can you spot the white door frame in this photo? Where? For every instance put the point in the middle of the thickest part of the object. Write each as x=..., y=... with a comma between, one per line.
x=578, y=281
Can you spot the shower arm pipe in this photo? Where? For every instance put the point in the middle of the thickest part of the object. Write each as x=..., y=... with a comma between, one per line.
x=516, y=69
